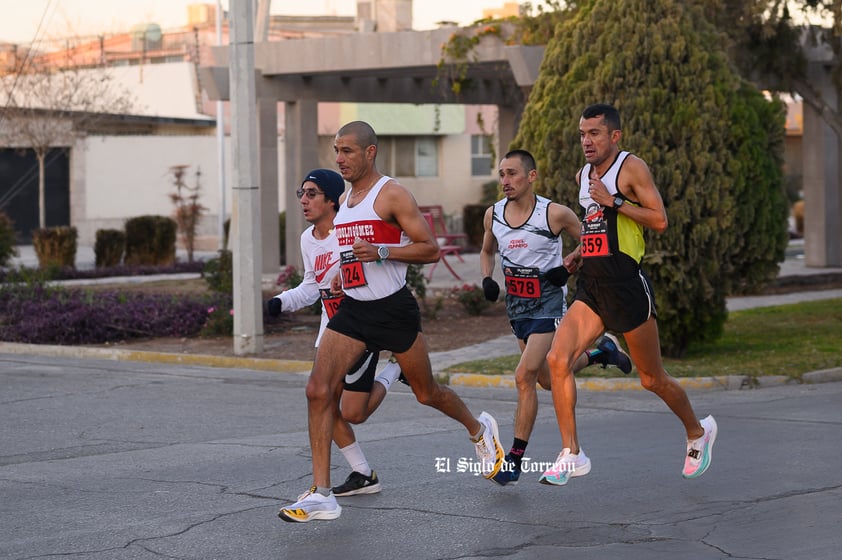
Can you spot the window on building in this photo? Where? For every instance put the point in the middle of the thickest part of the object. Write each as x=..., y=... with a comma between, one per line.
x=426, y=157
x=408, y=156
x=481, y=154
x=397, y=156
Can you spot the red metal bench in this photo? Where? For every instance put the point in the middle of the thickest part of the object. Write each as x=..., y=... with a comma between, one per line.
x=447, y=241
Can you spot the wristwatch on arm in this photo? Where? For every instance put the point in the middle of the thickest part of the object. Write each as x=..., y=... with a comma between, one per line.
x=382, y=252
x=618, y=202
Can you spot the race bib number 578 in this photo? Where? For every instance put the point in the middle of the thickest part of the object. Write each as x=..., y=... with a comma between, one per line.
x=522, y=282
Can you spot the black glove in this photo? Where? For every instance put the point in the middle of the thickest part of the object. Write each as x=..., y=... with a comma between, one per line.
x=557, y=276
x=273, y=306
x=490, y=288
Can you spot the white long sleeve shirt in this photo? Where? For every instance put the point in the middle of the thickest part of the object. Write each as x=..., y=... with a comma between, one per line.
x=321, y=265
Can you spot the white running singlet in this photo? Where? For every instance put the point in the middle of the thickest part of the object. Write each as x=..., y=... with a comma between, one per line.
x=367, y=281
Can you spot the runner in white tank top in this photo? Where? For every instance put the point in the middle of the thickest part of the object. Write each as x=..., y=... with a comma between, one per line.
x=368, y=281
x=380, y=230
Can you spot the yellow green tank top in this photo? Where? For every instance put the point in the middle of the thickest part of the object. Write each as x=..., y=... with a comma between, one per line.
x=612, y=244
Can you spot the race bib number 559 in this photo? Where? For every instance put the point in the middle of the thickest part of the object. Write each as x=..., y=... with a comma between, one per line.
x=594, y=239
x=595, y=245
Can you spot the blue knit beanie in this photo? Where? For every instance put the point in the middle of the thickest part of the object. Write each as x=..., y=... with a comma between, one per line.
x=331, y=183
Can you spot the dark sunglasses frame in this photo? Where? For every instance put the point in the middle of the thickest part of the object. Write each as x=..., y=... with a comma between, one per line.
x=311, y=193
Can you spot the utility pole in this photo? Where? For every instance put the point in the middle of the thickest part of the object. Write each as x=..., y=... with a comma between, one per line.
x=220, y=139
x=245, y=219
x=262, y=21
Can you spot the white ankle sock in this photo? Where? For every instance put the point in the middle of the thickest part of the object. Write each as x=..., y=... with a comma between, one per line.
x=389, y=375
x=356, y=458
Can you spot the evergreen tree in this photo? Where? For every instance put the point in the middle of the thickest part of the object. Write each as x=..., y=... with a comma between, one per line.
x=712, y=142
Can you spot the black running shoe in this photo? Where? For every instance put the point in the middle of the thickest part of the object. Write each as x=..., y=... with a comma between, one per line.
x=508, y=474
x=358, y=483
x=402, y=378
x=611, y=354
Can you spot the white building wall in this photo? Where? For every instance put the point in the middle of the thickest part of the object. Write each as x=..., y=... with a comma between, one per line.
x=121, y=177
x=128, y=176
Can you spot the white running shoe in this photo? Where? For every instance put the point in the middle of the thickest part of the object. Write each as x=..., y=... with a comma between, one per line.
x=311, y=505
x=700, y=451
x=566, y=465
x=489, y=450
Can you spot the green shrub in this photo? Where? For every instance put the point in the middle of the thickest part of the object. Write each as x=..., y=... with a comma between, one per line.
x=220, y=320
x=7, y=239
x=109, y=247
x=219, y=273
x=150, y=240
x=290, y=278
x=472, y=298
x=490, y=193
x=416, y=281
x=55, y=246
x=711, y=141
x=472, y=218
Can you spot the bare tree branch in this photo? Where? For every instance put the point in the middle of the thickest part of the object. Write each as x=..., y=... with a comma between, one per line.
x=42, y=108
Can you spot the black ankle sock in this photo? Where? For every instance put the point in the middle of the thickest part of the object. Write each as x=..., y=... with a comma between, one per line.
x=517, y=451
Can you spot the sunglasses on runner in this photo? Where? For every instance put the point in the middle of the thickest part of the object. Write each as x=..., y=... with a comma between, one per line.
x=311, y=193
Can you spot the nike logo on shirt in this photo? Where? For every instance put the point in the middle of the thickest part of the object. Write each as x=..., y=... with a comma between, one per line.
x=321, y=275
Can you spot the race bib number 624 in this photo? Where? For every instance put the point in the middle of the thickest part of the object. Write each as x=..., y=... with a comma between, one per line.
x=353, y=274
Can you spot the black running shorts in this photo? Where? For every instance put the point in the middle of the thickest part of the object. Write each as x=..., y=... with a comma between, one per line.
x=360, y=378
x=622, y=306
x=391, y=323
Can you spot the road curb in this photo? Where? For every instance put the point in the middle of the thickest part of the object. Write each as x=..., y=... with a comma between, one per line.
x=823, y=376
x=116, y=354
x=722, y=382
x=303, y=367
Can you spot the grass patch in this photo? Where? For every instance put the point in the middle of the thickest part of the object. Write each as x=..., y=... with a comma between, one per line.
x=785, y=340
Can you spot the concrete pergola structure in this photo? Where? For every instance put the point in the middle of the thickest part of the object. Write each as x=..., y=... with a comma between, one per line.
x=399, y=67
x=822, y=176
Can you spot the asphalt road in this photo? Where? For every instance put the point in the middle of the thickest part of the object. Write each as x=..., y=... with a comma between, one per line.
x=105, y=460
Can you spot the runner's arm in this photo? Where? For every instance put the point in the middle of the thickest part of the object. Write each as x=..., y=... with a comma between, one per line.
x=396, y=205
x=488, y=252
x=306, y=293
x=636, y=183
